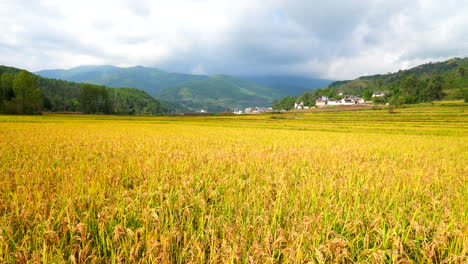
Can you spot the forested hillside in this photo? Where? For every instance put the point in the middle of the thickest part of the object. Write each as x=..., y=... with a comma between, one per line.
x=427, y=82
x=24, y=93
x=186, y=92
x=289, y=85
x=424, y=83
x=79, y=74
x=151, y=80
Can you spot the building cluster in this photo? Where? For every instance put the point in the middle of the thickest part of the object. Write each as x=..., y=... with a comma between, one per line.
x=347, y=100
x=252, y=110
x=300, y=106
x=320, y=102
x=380, y=94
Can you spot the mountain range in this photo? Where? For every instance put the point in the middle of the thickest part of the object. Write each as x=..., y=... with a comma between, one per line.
x=213, y=93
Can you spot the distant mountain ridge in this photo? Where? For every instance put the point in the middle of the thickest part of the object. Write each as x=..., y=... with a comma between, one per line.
x=289, y=85
x=214, y=93
x=220, y=93
x=151, y=80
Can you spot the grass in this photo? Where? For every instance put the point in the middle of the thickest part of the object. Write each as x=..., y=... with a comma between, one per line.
x=344, y=187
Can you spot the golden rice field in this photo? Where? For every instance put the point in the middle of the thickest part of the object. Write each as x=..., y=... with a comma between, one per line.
x=343, y=187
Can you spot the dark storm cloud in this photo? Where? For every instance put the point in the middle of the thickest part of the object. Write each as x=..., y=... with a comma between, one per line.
x=332, y=39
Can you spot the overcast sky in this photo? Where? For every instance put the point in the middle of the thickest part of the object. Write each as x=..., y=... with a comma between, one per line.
x=334, y=39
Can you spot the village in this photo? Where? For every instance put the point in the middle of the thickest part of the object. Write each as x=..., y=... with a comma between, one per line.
x=322, y=101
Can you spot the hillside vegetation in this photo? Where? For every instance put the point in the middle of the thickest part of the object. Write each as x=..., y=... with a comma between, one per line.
x=424, y=83
x=24, y=93
x=84, y=73
x=150, y=80
x=345, y=187
x=289, y=85
x=216, y=93
x=219, y=93
x=414, y=85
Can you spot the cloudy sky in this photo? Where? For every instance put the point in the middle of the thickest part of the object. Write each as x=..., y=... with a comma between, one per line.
x=334, y=39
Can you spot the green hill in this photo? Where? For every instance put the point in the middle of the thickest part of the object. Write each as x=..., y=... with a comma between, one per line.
x=289, y=85
x=449, y=71
x=424, y=83
x=79, y=74
x=64, y=96
x=151, y=80
x=220, y=93
x=194, y=92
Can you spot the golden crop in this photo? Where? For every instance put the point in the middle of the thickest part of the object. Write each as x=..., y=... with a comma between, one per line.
x=345, y=187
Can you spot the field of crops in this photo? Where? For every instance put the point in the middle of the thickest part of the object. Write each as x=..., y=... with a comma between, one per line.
x=344, y=187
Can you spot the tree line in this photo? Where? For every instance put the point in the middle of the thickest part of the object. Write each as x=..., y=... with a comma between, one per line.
x=24, y=93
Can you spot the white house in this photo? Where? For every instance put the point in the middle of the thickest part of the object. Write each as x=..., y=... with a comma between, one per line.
x=320, y=102
x=350, y=100
x=256, y=110
x=380, y=94
x=299, y=106
x=347, y=100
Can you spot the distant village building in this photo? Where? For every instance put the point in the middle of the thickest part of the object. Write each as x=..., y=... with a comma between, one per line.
x=352, y=100
x=257, y=110
x=320, y=102
x=380, y=94
x=299, y=106
x=347, y=100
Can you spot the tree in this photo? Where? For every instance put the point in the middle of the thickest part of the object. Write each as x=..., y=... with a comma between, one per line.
x=2, y=91
x=367, y=95
x=95, y=99
x=395, y=102
x=28, y=98
x=287, y=103
x=6, y=86
x=409, y=85
x=307, y=98
x=433, y=91
x=410, y=88
x=461, y=71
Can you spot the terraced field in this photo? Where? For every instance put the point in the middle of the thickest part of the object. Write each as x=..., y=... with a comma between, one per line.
x=339, y=187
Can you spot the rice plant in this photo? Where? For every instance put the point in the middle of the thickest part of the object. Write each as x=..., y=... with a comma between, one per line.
x=344, y=187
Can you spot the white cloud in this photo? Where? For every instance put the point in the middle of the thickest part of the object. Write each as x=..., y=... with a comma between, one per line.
x=199, y=70
x=332, y=39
